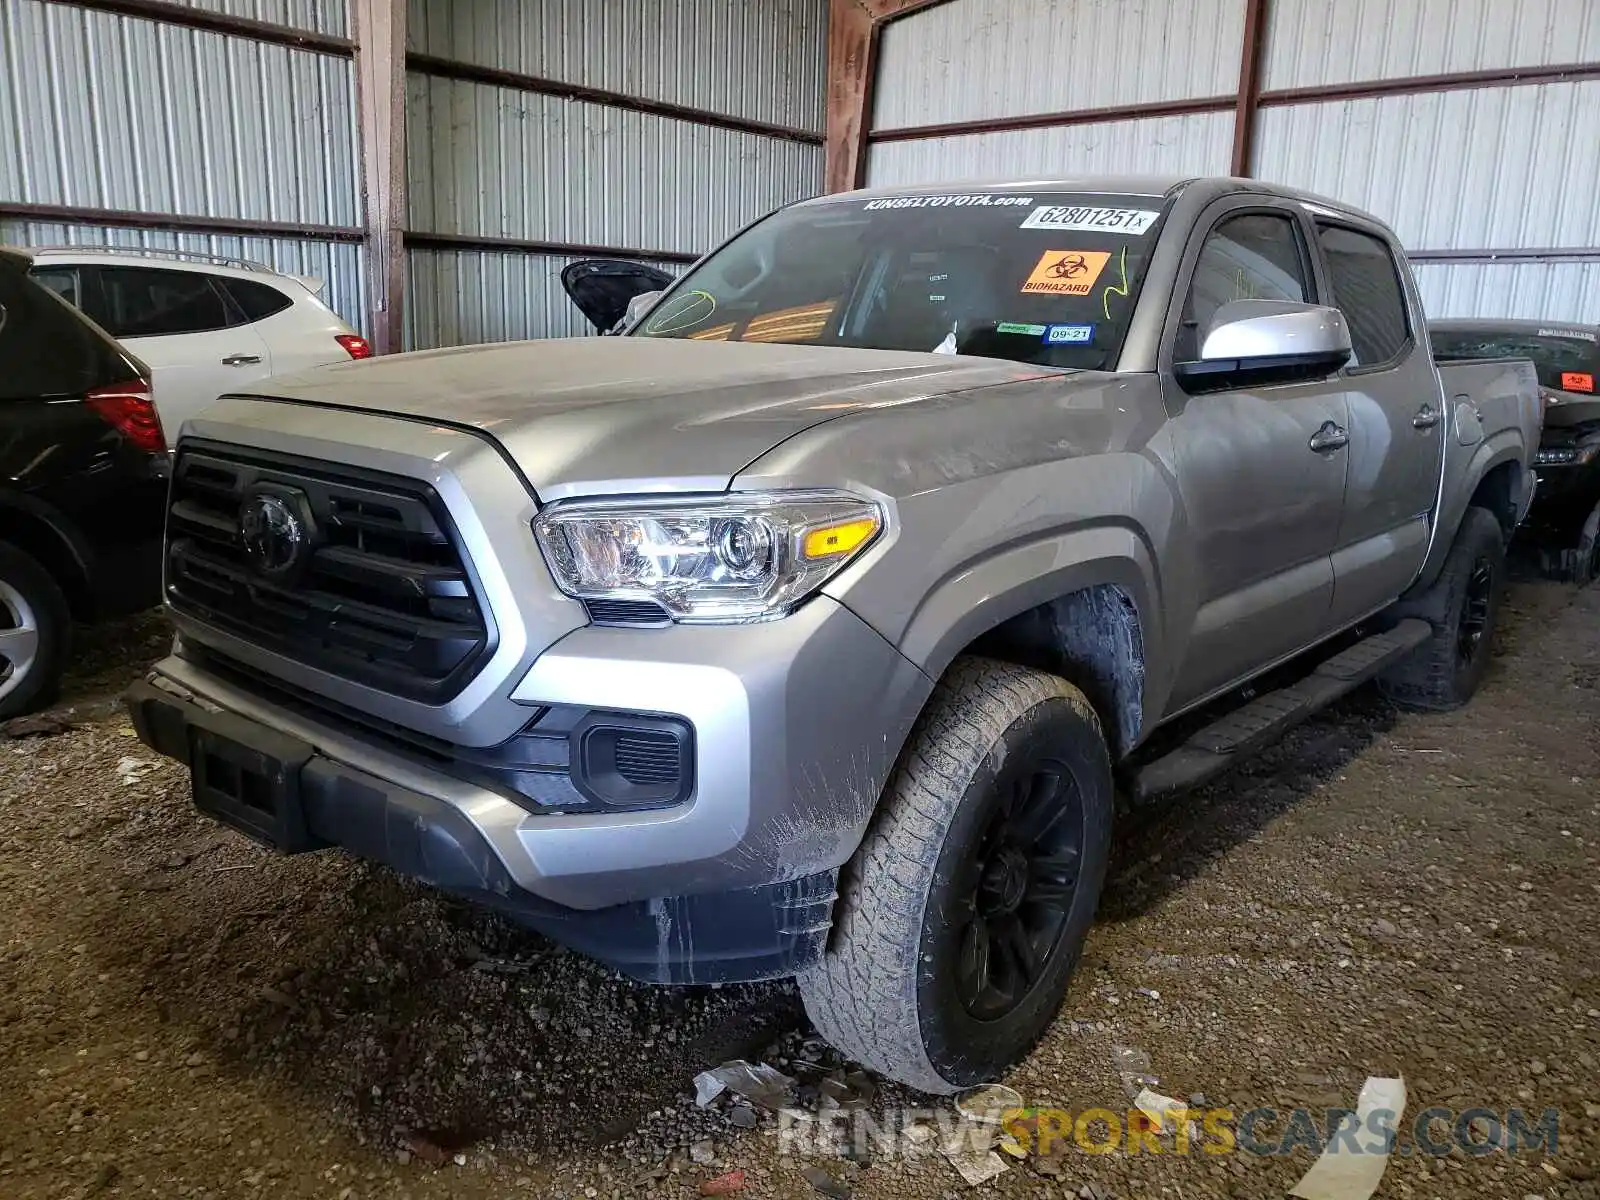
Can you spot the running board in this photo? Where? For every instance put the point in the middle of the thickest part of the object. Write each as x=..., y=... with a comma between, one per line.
x=1228, y=741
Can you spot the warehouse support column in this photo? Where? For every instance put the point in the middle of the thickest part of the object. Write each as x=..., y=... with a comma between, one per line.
x=1249, y=97
x=853, y=30
x=380, y=27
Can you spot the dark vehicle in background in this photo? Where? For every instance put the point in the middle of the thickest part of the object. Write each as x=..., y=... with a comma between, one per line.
x=1565, y=520
x=83, y=481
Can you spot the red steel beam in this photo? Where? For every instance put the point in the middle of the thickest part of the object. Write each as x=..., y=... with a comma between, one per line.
x=1244, y=109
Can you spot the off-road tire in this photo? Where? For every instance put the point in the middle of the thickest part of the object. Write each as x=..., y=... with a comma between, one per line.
x=49, y=612
x=1440, y=675
x=883, y=993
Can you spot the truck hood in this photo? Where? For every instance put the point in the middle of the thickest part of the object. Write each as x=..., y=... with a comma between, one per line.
x=588, y=416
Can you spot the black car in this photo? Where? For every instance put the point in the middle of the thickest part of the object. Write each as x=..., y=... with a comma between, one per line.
x=1566, y=356
x=83, y=470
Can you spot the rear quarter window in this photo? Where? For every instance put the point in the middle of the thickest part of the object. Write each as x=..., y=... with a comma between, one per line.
x=257, y=301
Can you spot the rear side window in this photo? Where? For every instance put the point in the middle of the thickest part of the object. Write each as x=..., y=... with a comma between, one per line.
x=1565, y=359
x=63, y=281
x=147, y=302
x=1366, y=287
x=1255, y=256
x=256, y=301
x=46, y=349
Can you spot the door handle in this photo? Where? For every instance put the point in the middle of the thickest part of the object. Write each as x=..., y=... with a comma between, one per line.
x=1330, y=437
x=1426, y=418
x=241, y=360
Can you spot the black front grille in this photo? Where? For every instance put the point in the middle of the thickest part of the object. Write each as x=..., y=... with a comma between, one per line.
x=384, y=598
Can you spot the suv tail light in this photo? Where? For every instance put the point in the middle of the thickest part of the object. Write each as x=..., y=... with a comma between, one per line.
x=128, y=409
x=354, y=345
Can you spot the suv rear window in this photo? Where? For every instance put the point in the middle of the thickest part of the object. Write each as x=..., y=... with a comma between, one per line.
x=1047, y=278
x=1565, y=361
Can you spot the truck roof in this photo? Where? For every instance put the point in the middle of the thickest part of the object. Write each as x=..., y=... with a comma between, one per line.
x=1129, y=185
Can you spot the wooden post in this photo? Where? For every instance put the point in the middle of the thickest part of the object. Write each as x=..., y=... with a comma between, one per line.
x=854, y=27
x=1244, y=113
x=380, y=27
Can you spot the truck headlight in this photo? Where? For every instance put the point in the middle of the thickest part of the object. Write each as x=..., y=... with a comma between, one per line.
x=738, y=557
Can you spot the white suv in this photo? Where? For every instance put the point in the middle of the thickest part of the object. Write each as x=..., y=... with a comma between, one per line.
x=204, y=325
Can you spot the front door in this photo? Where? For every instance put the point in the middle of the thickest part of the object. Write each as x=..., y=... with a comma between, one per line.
x=1397, y=426
x=1260, y=470
x=196, y=344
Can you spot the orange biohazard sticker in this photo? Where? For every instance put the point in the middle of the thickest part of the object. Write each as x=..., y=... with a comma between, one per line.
x=1571, y=381
x=1067, y=272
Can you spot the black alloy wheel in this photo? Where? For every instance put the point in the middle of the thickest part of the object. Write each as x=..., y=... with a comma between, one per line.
x=1020, y=888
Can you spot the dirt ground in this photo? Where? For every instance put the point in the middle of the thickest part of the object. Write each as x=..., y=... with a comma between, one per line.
x=182, y=1015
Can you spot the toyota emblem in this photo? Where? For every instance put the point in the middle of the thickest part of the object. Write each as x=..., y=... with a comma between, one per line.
x=273, y=534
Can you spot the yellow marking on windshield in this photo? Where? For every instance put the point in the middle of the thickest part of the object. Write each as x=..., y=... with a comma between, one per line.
x=1118, y=289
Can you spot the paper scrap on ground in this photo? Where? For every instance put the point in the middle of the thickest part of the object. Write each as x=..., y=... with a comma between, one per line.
x=1343, y=1174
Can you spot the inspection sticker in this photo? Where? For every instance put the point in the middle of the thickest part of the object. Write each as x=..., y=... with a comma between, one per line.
x=1068, y=335
x=1100, y=220
x=1020, y=327
x=1067, y=272
x=1577, y=381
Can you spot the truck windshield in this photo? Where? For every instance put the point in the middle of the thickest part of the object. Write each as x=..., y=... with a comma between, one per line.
x=1046, y=278
x=1566, y=360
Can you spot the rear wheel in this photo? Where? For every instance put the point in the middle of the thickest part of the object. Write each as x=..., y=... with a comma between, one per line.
x=1463, y=606
x=34, y=628
x=965, y=910
x=1586, y=557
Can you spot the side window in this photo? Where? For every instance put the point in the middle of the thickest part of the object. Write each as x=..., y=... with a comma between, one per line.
x=63, y=281
x=1255, y=256
x=46, y=348
x=147, y=302
x=256, y=301
x=1366, y=287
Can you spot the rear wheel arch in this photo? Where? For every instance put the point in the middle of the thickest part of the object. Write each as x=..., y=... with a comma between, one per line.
x=40, y=536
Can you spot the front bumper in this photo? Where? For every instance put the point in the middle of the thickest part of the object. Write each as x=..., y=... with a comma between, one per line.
x=796, y=726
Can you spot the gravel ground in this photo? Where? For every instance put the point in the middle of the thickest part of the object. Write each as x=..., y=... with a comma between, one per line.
x=1385, y=893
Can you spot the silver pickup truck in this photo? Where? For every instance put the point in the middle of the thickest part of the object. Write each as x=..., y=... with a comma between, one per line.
x=813, y=628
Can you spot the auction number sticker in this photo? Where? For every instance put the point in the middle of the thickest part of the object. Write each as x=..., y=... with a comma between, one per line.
x=1135, y=221
x=1067, y=272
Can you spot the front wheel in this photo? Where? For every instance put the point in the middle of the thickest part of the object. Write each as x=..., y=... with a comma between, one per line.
x=1586, y=556
x=965, y=910
x=1463, y=606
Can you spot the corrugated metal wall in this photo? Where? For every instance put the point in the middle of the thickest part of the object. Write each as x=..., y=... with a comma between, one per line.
x=503, y=162
x=1339, y=41
x=115, y=112
x=500, y=162
x=758, y=60
x=973, y=60
x=1491, y=167
x=1522, y=291
x=319, y=16
x=1509, y=167
x=1195, y=143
